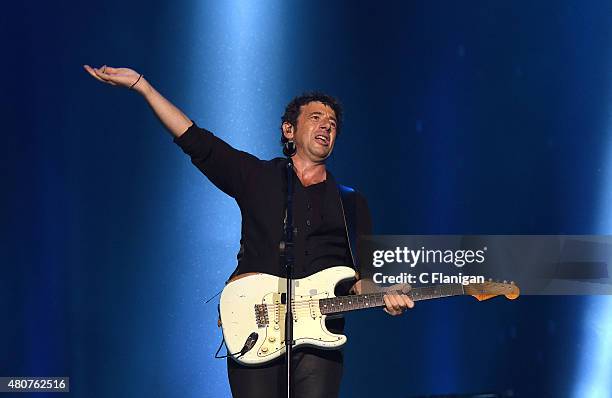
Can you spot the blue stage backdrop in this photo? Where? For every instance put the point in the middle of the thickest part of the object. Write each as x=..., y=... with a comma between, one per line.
x=461, y=117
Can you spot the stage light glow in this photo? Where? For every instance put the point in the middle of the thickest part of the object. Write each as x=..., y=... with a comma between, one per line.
x=234, y=79
x=594, y=373
x=595, y=364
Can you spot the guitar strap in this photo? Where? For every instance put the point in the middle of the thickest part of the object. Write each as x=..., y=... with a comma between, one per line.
x=349, y=213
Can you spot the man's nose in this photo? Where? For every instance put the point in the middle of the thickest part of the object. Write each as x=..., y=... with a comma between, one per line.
x=325, y=124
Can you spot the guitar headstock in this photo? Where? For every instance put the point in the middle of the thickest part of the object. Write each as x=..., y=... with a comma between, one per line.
x=490, y=289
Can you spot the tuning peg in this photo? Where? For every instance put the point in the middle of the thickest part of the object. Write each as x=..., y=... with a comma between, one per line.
x=505, y=281
x=512, y=282
x=490, y=279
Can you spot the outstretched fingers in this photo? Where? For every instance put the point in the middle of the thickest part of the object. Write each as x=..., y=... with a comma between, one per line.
x=110, y=71
x=92, y=72
x=100, y=74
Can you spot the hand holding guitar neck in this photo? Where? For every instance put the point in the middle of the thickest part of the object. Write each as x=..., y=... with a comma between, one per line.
x=396, y=297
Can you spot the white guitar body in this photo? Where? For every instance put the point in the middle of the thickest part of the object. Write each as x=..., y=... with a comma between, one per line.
x=253, y=304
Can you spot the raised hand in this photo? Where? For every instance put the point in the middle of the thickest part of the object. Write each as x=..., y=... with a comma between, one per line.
x=173, y=119
x=123, y=77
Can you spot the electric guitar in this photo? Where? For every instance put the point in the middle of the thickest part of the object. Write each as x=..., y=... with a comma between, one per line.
x=252, y=310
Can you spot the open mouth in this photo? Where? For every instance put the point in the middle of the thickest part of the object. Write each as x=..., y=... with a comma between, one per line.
x=322, y=139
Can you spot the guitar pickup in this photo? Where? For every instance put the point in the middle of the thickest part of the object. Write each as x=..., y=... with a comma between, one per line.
x=261, y=315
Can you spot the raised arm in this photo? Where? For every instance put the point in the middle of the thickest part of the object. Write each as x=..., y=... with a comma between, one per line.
x=173, y=119
x=225, y=166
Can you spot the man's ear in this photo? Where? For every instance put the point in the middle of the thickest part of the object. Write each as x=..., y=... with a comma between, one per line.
x=288, y=130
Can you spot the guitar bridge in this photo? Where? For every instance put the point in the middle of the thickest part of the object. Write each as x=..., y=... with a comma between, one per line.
x=261, y=315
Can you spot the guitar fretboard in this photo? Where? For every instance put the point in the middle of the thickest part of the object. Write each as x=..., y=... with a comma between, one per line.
x=341, y=304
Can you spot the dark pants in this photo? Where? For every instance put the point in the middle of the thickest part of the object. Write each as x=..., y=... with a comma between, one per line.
x=316, y=374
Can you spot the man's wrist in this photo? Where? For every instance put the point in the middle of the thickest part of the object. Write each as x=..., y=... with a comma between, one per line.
x=143, y=87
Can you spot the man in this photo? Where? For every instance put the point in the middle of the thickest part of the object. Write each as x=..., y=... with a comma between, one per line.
x=311, y=123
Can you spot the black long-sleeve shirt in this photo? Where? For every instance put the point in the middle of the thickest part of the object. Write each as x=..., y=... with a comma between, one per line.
x=259, y=188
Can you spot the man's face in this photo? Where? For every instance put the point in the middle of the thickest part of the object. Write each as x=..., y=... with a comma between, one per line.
x=315, y=133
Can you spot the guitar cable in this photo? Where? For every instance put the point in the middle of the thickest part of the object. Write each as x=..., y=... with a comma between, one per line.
x=228, y=355
x=248, y=344
x=223, y=339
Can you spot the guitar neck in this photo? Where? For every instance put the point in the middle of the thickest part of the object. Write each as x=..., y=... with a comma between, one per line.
x=337, y=305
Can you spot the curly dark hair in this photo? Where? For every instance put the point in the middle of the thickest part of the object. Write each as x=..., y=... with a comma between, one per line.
x=292, y=111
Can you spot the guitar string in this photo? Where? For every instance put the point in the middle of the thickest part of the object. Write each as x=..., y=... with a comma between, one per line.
x=301, y=307
x=307, y=303
x=364, y=296
x=302, y=311
x=307, y=308
x=304, y=306
x=306, y=312
x=355, y=297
